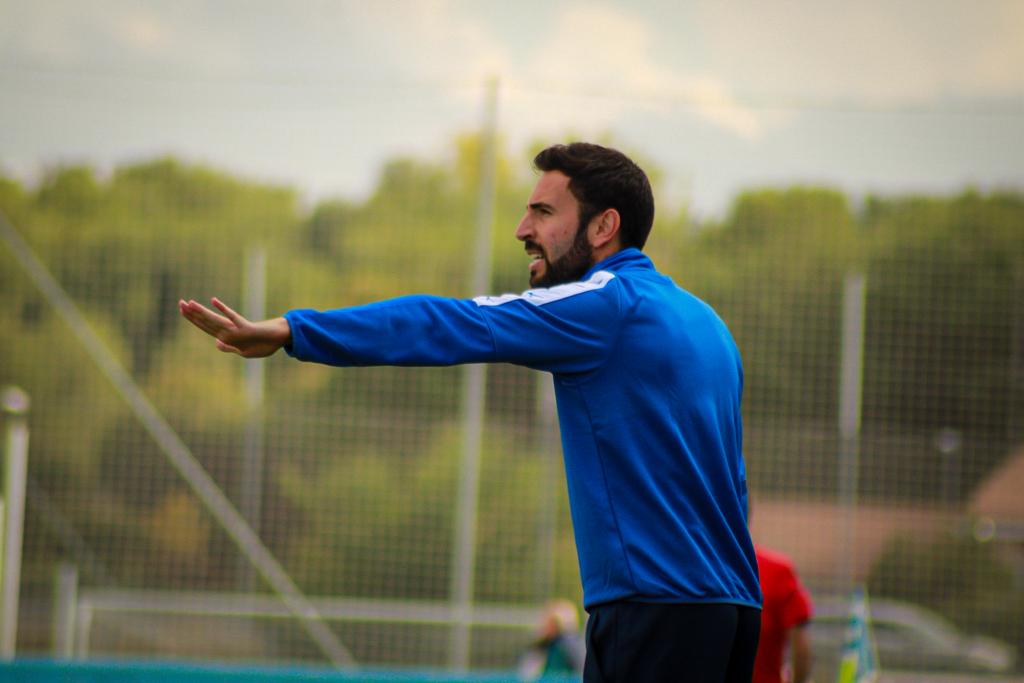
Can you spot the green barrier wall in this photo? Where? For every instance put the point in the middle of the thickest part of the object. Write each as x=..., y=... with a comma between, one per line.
x=39, y=671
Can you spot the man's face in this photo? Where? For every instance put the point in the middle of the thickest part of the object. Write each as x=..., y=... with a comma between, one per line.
x=550, y=230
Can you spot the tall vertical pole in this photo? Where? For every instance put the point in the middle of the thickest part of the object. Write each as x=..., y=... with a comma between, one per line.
x=15, y=405
x=850, y=390
x=474, y=391
x=251, y=486
x=1014, y=425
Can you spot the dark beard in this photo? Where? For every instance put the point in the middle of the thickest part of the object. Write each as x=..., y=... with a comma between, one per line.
x=570, y=266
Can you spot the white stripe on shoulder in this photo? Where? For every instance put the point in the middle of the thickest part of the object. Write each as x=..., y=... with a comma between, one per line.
x=539, y=297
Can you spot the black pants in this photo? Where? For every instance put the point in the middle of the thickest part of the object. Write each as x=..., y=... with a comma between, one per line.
x=638, y=642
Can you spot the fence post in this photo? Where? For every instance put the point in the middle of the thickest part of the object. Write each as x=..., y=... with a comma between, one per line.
x=15, y=404
x=65, y=606
x=851, y=379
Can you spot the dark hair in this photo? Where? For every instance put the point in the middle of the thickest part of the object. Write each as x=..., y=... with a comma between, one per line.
x=603, y=178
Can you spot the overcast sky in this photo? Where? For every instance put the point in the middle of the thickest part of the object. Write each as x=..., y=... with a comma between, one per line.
x=868, y=96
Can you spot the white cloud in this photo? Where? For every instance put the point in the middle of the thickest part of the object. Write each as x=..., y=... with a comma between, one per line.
x=870, y=51
x=718, y=106
x=142, y=31
x=598, y=62
x=589, y=66
x=43, y=32
x=997, y=60
x=122, y=36
x=432, y=41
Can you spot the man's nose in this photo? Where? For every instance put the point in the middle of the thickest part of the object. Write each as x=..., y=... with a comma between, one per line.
x=524, y=229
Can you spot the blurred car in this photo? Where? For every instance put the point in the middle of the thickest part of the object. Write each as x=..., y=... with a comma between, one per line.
x=907, y=637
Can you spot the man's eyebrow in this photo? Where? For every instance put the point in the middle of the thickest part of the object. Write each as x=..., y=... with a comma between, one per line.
x=538, y=206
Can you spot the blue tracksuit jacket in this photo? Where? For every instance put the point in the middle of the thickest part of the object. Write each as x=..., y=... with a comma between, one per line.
x=648, y=383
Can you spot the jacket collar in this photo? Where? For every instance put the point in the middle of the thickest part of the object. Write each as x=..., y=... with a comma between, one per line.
x=628, y=258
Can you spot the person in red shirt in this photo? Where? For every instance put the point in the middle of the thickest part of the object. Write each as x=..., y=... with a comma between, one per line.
x=784, y=616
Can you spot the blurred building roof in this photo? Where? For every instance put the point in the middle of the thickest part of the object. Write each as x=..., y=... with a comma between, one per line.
x=814, y=533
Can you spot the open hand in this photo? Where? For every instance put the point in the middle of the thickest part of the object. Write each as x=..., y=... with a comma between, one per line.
x=235, y=334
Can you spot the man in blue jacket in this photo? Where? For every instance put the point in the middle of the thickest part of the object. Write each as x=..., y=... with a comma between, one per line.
x=648, y=382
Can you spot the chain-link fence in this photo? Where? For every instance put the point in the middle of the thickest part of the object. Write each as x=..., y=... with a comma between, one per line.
x=183, y=503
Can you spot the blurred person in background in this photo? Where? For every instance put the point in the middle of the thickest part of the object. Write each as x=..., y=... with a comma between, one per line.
x=559, y=647
x=648, y=382
x=786, y=611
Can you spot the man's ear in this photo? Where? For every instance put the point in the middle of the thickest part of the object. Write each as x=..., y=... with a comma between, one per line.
x=604, y=228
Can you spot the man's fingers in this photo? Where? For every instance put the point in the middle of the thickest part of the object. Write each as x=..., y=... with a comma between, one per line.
x=226, y=310
x=205, y=323
x=205, y=319
x=225, y=329
x=197, y=310
x=213, y=316
x=197, y=320
x=228, y=348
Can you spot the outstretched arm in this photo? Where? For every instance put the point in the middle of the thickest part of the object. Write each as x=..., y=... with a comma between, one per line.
x=235, y=334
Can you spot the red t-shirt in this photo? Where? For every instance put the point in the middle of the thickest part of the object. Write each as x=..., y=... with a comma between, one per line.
x=786, y=604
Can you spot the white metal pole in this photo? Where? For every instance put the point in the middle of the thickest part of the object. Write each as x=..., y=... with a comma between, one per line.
x=850, y=389
x=83, y=629
x=15, y=405
x=65, y=603
x=474, y=391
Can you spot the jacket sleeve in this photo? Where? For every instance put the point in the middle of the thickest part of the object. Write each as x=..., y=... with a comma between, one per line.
x=561, y=329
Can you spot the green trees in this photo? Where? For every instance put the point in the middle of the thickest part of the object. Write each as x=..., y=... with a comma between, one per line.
x=946, y=281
